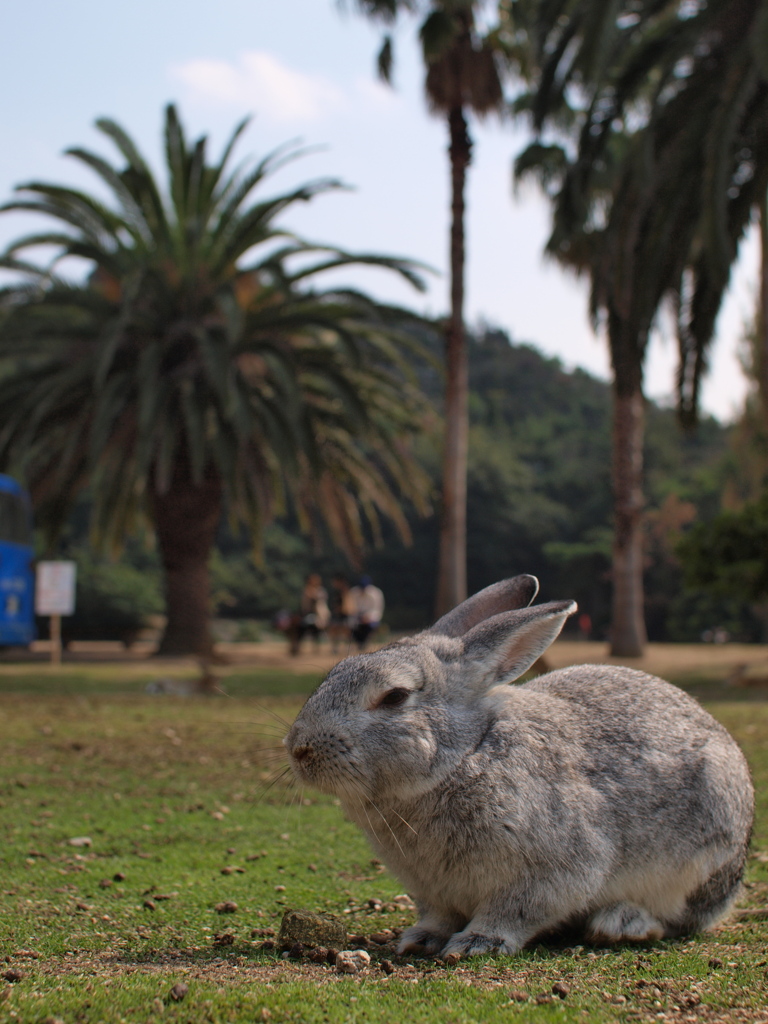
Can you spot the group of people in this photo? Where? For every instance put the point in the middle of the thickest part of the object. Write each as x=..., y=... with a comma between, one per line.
x=350, y=613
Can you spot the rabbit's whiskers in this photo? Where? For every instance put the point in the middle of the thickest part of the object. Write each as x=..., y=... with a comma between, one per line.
x=363, y=799
x=265, y=710
x=271, y=759
x=273, y=714
x=355, y=784
x=370, y=823
x=392, y=831
x=277, y=776
x=355, y=775
x=406, y=823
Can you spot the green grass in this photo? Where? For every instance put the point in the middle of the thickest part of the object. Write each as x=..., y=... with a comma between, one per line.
x=122, y=678
x=171, y=791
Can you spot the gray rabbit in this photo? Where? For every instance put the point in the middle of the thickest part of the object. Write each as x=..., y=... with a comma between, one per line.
x=593, y=796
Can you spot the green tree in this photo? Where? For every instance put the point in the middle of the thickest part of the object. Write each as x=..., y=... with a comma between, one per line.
x=462, y=78
x=197, y=367
x=663, y=109
x=728, y=555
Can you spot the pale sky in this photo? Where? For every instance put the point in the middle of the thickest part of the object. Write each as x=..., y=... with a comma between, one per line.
x=304, y=69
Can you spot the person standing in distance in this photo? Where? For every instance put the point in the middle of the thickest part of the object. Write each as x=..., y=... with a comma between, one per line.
x=369, y=608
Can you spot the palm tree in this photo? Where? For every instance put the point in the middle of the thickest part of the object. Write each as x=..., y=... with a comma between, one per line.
x=462, y=77
x=667, y=154
x=760, y=354
x=197, y=368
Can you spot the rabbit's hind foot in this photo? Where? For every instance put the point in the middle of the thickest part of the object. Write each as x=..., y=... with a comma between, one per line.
x=419, y=939
x=624, y=922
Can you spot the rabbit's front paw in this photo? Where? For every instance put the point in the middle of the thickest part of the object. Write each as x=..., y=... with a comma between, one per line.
x=418, y=939
x=473, y=944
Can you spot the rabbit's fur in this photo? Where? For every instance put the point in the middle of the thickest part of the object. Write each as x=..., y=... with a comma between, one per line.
x=594, y=796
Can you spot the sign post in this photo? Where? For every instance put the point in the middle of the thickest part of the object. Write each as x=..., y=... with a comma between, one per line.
x=55, y=596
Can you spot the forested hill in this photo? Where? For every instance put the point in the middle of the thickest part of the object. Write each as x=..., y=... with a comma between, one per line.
x=539, y=489
x=539, y=502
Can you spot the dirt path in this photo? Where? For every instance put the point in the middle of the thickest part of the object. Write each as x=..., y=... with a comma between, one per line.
x=717, y=661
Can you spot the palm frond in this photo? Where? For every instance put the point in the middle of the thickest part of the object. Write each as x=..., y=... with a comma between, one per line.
x=200, y=343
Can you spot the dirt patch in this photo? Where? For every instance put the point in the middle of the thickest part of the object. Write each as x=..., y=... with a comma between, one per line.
x=649, y=998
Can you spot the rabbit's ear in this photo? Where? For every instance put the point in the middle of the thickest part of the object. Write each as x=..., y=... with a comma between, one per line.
x=517, y=592
x=504, y=647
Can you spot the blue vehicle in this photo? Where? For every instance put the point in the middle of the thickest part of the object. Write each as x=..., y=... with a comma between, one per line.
x=17, y=570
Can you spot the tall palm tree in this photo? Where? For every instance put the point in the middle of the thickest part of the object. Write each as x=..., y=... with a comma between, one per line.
x=462, y=78
x=760, y=355
x=665, y=109
x=197, y=367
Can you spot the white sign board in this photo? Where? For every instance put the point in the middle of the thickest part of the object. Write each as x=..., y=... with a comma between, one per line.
x=55, y=588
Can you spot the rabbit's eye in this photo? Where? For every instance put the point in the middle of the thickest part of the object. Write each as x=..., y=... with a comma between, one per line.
x=394, y=698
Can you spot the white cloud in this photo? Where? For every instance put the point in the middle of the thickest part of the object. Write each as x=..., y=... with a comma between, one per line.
x=374, y=93
x=261, y=82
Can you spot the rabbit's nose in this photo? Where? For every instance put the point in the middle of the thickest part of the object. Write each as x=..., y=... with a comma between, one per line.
x=302, y=753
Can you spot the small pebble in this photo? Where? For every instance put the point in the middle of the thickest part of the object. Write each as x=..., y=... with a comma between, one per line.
x=561, y=989
x=13, y=975
x=351, y=961
x=228, y=907
x=296, y=952
x=517, y=996
x=149, y=905
x=387, y=966
x=715, y=962
x=404, y=902
x=178, y=992
x=118, y=877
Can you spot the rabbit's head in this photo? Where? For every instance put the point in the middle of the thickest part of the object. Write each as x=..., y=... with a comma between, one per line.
x=396, y=721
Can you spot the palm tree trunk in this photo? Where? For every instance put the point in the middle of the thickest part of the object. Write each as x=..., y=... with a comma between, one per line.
x=628, y=636
x=186, y=518
x=452, y=566
x=761, y=353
